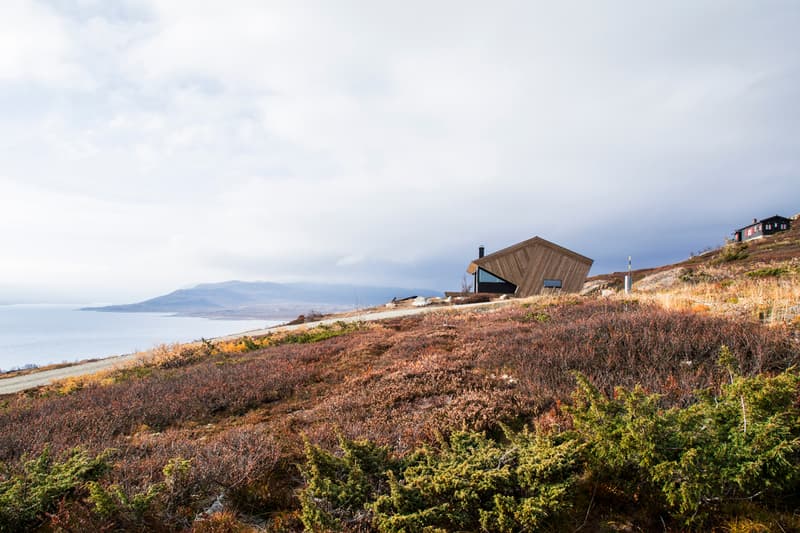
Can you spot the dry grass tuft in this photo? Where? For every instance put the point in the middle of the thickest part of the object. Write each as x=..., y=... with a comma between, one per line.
x=772, y=298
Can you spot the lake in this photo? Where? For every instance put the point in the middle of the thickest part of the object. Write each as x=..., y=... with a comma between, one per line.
x=45, y=334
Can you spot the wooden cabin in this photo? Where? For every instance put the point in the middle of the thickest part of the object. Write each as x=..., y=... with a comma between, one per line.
x=761, y=228
x=534, y=266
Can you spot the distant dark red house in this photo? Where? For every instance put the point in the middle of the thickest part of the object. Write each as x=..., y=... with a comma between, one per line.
x=760, y=228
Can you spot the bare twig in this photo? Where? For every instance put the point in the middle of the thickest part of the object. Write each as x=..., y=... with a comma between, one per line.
x=744, y=414
x=588, y=509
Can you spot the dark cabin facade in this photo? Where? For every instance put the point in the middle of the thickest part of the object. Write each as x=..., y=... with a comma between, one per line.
x=534, y=266
x=485, y=281
x=761, y=228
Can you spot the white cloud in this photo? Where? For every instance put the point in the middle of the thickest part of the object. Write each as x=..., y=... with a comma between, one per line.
x=277, y=140
x=36, y=46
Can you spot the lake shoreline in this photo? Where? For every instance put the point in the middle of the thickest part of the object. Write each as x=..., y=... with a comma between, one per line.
x=43, y=335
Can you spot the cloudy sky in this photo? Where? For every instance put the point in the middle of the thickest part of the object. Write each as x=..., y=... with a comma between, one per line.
x=152, y=144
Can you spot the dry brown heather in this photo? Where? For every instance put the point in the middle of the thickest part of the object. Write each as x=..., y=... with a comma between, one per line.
x=241, y=417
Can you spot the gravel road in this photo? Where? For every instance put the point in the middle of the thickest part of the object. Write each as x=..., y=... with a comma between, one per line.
x=36, y=379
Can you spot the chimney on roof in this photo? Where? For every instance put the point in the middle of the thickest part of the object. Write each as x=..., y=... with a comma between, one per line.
x=481, y=251
x=755, y=220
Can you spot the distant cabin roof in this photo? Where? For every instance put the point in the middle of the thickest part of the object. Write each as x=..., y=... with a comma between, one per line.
x=534, y=241
x=770, y=219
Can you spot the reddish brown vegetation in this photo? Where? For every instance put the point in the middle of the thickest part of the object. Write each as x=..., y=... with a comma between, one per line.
x=240, y=420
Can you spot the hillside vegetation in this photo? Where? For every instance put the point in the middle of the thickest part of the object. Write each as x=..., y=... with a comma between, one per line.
x=301, y=430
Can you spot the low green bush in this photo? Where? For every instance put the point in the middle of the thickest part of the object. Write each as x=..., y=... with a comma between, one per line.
x=473, y=483
x=320, y=333
x=773, y=272
x=113, y=502
x=316, y=334
x=739, y=444
x=37, y=485
x=340, y=488
x=467, y=483
x=732, y=252
x=532, y=316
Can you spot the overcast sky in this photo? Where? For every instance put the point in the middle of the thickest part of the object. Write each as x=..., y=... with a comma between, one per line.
x=148, y=145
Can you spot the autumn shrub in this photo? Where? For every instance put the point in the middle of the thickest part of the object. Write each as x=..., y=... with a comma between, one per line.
x=243, y=344
x=223, y=522
x=166, y=478
x=732, y=252
x=35, y=487
x=319, y=333
x=236, y=458
x=97, y=415
x=623, y=344
x=178, y=355
x=478, y=370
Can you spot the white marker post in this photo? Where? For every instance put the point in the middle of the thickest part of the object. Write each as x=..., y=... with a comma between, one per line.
x=629, y=278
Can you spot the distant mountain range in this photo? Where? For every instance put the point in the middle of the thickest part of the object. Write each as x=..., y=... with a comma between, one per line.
x=265, y=300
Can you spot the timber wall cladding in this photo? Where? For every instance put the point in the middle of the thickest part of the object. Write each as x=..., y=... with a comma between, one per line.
x=529, y=263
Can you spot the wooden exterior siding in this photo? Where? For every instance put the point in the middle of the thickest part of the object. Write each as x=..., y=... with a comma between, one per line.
x=529, y=263
x=757, y=229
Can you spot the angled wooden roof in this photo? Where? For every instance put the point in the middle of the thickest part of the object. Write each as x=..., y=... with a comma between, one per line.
x=527, y=264
x=485, y=260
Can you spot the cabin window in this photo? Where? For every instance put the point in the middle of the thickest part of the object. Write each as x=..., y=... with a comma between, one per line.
x=783, y=226
x=552, y=284
x=487, y=277
x=769, y=226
